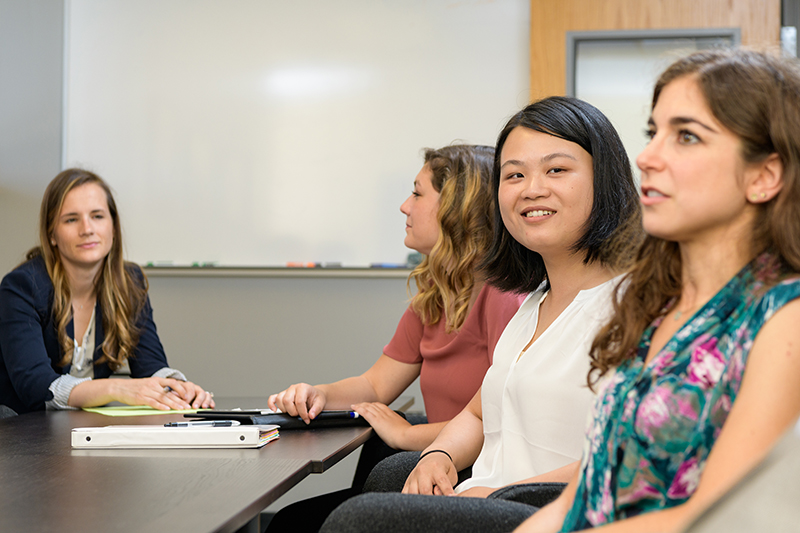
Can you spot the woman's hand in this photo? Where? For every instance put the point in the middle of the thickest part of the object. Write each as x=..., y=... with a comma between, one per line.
x=477, y=492
x=193, y=394
x=389, y=426
x=301, y=399
x=159, y=393
x=434, y=474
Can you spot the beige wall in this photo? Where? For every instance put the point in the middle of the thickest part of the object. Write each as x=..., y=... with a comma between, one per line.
x=18, y=218
x=254, y=336
x=759, y=20
x=31, y=43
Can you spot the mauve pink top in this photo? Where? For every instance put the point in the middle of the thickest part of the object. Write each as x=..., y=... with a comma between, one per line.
x=453, y=364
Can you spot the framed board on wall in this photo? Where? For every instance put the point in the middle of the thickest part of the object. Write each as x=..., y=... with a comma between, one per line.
x=256, y=133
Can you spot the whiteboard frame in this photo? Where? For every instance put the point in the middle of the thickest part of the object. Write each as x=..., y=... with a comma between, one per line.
x=574, y=38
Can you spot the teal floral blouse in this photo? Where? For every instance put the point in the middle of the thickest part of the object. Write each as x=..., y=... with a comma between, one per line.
x=653, y=427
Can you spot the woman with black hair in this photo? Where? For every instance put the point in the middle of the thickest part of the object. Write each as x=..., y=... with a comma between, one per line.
x=570, y=226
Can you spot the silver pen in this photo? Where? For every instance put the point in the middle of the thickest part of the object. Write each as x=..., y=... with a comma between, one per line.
x=203, y=423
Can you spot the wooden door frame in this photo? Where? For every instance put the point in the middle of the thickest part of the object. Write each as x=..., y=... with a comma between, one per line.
x=758, y=20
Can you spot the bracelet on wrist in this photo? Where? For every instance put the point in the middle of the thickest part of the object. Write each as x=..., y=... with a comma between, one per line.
x=421, y=457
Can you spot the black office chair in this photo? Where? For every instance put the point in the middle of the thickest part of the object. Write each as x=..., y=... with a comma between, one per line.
x=536, y=494
x=6, y=412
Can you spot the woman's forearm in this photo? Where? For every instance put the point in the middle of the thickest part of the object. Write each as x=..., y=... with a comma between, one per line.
x=344, y=393
x=421, y=436
x=159, y=393
x=460, y=441
x=92, y=393
x=462, y=438
x=665, y=521
x=383, y=382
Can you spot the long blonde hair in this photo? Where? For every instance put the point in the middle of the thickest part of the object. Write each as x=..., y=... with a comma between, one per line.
x=121, y=294
x=445, y=278
x=757, y=97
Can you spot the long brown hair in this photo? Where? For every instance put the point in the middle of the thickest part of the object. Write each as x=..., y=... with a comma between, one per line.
x=445, y=278
x=122, y=296
x=757, y=97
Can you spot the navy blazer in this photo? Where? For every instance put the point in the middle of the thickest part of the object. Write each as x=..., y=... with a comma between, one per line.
x=29, y=348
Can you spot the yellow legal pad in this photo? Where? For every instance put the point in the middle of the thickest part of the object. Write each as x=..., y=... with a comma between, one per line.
x=134, y=410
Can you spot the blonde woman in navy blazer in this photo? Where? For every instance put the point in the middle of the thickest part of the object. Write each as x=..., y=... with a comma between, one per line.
x=75, y=312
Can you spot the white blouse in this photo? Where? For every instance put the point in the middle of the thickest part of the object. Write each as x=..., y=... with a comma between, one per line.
x=535, y=401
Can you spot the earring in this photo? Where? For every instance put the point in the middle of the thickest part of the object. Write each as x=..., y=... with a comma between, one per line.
x=754, y=197
x=763, y=195
x=53, y=242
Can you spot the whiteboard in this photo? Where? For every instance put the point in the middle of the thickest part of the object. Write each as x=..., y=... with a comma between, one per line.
x=261, y=132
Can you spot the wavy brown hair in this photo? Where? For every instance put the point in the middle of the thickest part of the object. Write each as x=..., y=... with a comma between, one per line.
x=445, y=278
x=757, y=97
x=122, y=295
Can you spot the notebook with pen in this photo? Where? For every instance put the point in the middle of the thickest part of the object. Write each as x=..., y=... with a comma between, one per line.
x=147, y=436
x=326, y=419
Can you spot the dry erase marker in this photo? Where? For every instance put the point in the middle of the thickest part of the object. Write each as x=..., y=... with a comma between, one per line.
x=203, y=423
x=388, y=265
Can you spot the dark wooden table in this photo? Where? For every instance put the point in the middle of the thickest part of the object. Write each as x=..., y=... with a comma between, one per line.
x=45, y=485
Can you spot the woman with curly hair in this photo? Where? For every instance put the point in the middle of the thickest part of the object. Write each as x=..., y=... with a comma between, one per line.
x=448, y=333
x=446, y=336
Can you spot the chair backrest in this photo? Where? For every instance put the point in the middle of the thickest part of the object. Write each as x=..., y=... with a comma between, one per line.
x=765, y=500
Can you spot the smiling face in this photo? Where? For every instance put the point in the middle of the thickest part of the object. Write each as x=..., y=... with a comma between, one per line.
x=84, y=229
x=546, y=190
x=420, y=209
x=694, y=180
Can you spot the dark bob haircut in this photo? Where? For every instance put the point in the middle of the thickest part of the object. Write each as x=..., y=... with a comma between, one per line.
x=613, y=230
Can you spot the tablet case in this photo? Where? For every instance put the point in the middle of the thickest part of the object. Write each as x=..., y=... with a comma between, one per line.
x=326, y=419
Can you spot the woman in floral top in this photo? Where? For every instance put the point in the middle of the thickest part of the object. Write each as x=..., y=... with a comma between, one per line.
x=697, y=372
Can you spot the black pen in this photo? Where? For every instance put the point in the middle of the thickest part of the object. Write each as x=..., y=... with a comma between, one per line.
x=332, y=415
x=203, y=423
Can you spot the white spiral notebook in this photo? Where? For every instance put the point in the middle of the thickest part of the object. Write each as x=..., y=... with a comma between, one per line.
x=145, y=436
